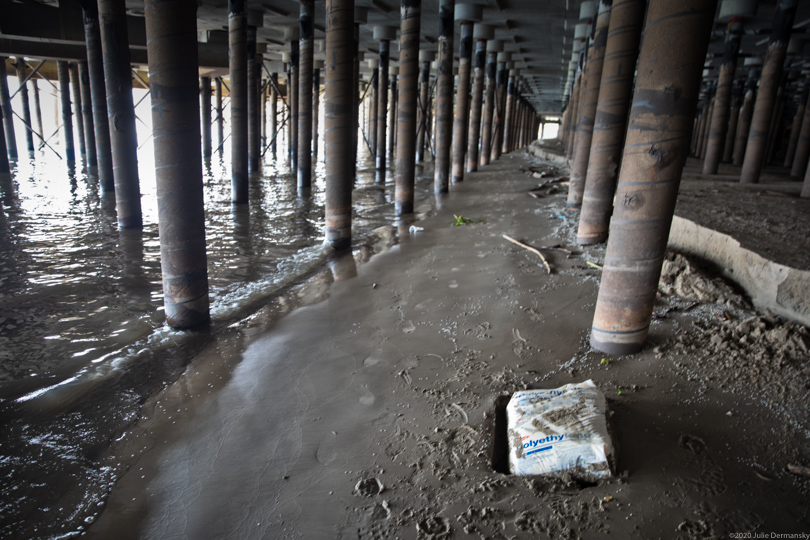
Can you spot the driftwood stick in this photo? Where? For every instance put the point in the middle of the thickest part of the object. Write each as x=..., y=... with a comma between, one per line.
x=529, y=248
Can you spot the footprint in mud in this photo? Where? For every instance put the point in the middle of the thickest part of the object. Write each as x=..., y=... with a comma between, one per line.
x=326, y=452
x=433, y=527
x=408, y=327
x=374, y=358
x=453, y=284
x=367, y=398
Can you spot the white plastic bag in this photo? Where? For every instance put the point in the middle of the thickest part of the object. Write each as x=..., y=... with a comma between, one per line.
x=559, y=430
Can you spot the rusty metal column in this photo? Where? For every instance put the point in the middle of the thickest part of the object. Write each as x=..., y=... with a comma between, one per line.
x=466, y=14
x=392, y=110
x=766, y=96
x=500, y=106
x=339, y=120
x=87, y=114
x=423, y=108
x=316, y=102
x=589, y=99
x=171, y=37
x=305, y=63
x=746, y=114
x=796, y=128
x=444, y=98
x=722, y=99
x=67, y=115
x=736, y=103
x=76, y=91
x=384, y=35
x=481, y=33
x=238, y=47
x=205, y=104
x=121, y=112
x=26, y=109
x=670, y=68
x=411, y=12
x=219, y=110
x=101, y=125
x=802, y=147
x=489, y=102
x=8, y=115
x=273, y=112
x=252, y=74
x=615, y=94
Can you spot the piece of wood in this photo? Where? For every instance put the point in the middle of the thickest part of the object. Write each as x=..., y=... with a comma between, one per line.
x=529, y=248
x=799, y=470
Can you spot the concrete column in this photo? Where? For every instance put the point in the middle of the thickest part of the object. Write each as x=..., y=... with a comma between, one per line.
x=768, y=87
x=392, y=110
x=273, y=112
x=509, y=114
x=340, y=120
x=253, y=115
x=489, y=103
x=87, y=113
x=799, y=164
x=63, y=72
x=481, y=34
x=98, y=92
x=500, y=107
x=423, y=110
x=704, y=136
x=466, y=14
x=672, y=55
x=444, y=98
x=589, y=98
x=171, y=32
x=76, y=92
x=776, y=129
x=205, y=115
x=360, y=17
x=238, y=60
x=610, y=121
x=294, y=95
x=26, y=109
x=411, y=13
x=374, y=106
x=316, y=103
x=5, y=167
x=722, y=100
x=577, y=92
x=218, y=111
x=289, y=102
x=796, y=128
x=263, y=86
x=384, y=35
x=734, y=117
x=305, y=66
x=746, y=114
x=121, y=112
x=8, y=115
x=38, y=109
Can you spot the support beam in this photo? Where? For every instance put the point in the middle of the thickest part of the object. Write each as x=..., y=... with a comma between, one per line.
x=474, y=129
x=76, y=90
x=305, y=60
x=411, y=13
x=339, y=121
x=67, y=113
x=444, y=98
x=661, y=118
x=121, y=112
x=768, y=88
x=205, y=116
x=238, y=47
x=26, y=109
x=171, y=29
x=87, y=113
x=615, y=94
x=98, y=92
x=8, y=114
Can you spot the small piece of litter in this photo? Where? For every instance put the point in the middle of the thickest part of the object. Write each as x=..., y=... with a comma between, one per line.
x=415, y=229
x=589, y=263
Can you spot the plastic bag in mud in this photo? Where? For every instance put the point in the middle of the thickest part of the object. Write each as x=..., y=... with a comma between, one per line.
x=560, y=430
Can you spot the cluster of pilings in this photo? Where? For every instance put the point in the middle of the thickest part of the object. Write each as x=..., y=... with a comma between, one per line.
x=405, y=111
x=628, y=130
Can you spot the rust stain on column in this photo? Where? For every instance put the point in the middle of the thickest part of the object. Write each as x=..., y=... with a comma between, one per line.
x=411, y=11
x=661, y=118
x=768, y=87
x=87, y=113
x=462, y=103
x=305, y=66
x=171, y=31
x=238, y=46
x=339, y=120
x=722, y=99
x=615, y=95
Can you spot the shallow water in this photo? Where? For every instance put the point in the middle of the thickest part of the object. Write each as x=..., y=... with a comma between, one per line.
x=82, y=335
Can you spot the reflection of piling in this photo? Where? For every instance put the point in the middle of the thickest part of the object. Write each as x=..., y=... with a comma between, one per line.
x=121, y=111
x=768, y=89
x=8, y=115
x=205, y=104
x=615, y=94
x=67, y=115
x=26, y=109
x=76, y=92
x=411, y=11
x=382, y=105
x=444, y=98
x=87, y=113
x=98, y=93
x=489, y=108
x=171, y=30
x=722, y=99
x=462, y=101
x=339, y=120
x=238, y=46
x=305, y=65
x=474, y=129
x=656, y=148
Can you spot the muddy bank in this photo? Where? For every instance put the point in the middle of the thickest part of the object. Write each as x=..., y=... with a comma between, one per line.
x=371, y=413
